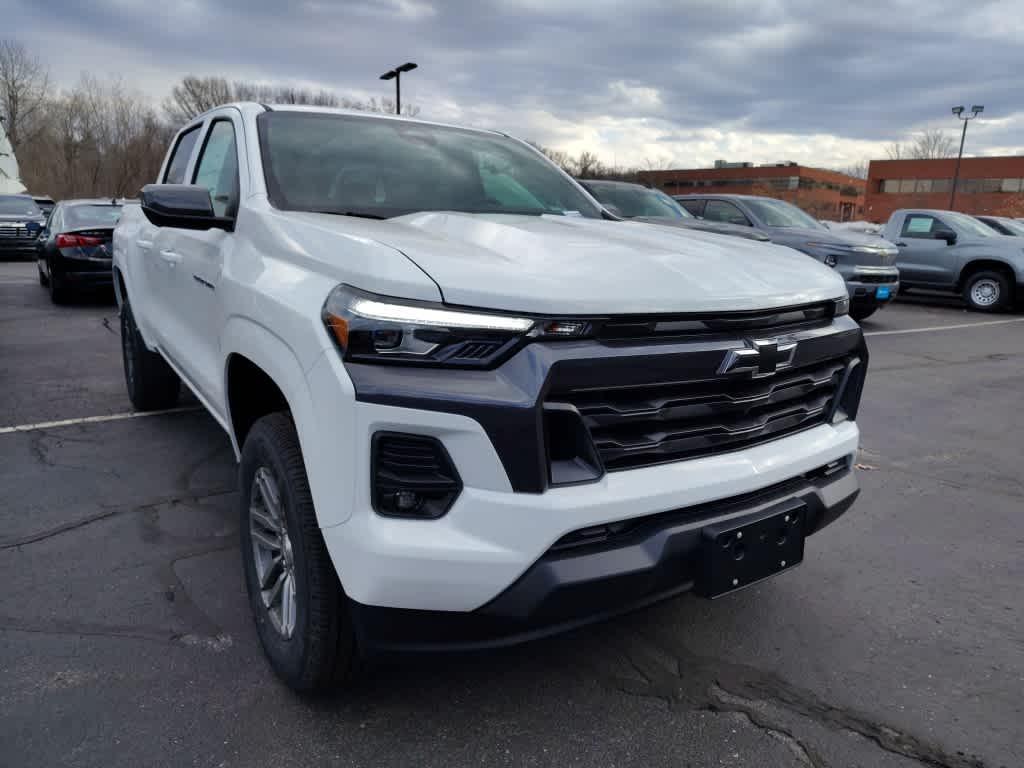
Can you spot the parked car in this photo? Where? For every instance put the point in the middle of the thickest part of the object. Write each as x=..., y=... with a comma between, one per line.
x=20, y=224
x=950, y=251
x=46, y=204
x=74, y=250
x=1003, y=225
x=866, y=262
x=469, y=409
x=640, y=203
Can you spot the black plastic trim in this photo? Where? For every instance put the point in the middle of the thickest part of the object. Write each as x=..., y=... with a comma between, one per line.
x=566, y=589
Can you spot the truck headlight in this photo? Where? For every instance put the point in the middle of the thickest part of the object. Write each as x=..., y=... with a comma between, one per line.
x=371, y=328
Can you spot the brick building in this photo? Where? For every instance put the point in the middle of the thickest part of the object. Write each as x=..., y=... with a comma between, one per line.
x=823, y=194
x=992, y=185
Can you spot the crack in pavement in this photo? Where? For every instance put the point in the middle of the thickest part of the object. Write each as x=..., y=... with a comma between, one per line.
x=49, y=533
x=686, y=681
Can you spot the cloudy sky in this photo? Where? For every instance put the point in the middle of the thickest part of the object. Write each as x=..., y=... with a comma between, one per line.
x=640, y=82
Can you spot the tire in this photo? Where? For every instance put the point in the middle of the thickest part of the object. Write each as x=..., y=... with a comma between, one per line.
x=312, y=646
x=987, y=291
x=862, y=313
x=43, y=279
x=60, y=293
x=152, y=384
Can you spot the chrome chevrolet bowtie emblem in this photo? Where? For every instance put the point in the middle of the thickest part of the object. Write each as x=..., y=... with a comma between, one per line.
x=762, y=358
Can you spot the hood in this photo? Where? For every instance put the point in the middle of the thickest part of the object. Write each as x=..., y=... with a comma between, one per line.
x=568, y=264
x=788, y=235
x=721, y=227
x=882, y=253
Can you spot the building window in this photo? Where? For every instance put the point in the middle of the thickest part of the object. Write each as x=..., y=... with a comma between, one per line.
x=969, y=186
x=1010, y=185
x=942, y=185
x=907, y=186
x=991, y=185
x=923, y=186
x=891, y=186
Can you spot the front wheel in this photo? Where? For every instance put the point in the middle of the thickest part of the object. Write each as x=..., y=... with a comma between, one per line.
x=987, y=291
x=300, y=611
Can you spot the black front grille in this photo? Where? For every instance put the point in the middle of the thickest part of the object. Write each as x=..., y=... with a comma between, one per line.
x=636, y=426
x=876, y=278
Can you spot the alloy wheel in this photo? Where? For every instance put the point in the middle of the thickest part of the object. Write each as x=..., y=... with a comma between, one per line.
x=272, y=552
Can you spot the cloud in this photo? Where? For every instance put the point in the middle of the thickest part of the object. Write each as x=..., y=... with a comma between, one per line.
x=655, y=81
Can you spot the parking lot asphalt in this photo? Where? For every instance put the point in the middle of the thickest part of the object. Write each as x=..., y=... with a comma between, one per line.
x=125, y=637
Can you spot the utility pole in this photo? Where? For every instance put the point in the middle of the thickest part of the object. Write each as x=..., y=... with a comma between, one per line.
x=976, y=110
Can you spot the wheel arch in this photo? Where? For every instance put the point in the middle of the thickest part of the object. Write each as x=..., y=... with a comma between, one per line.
x=262, y=374
x=984, y=264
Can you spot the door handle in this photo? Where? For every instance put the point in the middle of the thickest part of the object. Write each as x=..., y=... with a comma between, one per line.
x=901, y=245
x=170, y=257
x=145, y=245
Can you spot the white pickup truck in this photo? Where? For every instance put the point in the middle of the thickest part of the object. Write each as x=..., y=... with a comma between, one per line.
x=470, y=406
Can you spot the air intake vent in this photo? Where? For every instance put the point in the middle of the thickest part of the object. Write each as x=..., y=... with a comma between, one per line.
x=412, y=476
x=476, y=350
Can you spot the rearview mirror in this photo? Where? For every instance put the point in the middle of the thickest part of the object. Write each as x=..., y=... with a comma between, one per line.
x=945, y=234
x=185, y=206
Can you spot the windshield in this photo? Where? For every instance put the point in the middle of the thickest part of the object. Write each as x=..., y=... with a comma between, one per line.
x=1014, y=226
x=79, y=216
x=14, y=205
x=631, y=200
x=381, y=168
x=969, y=224
x=779, y=213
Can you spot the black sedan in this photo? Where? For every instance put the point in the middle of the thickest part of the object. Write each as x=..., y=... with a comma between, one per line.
x=640, y=203
x=75, y=247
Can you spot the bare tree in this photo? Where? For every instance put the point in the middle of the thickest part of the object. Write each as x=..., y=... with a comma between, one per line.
x=858, y=170
x=24, y=89
x=932, y=143
x=587, y=165
x=194, y=95
x=927, y=145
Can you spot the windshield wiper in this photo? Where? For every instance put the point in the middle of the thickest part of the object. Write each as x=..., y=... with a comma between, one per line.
x=354, y=214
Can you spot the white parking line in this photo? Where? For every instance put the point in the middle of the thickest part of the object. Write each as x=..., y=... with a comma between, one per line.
x=93, y=419
x=945, y=327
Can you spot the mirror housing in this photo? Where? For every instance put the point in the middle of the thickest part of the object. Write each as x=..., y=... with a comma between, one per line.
x=613, y=209
x=184, y=206
x=945, y=234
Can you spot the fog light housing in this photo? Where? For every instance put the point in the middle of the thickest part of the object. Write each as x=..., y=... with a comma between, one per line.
x=412, y=476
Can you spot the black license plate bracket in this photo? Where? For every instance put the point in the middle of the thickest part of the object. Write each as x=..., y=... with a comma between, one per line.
x=746, y=550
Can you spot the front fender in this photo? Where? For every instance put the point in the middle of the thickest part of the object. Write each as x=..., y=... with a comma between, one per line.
x=265, y=349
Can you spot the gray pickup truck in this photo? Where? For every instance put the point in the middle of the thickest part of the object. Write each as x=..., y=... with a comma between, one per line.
x=944, y=250
x=867, y=263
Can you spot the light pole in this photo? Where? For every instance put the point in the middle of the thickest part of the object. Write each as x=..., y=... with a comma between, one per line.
x=396, y=75
x=976, y=110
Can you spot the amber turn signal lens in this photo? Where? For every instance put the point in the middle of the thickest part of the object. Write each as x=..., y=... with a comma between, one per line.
x=339, y=327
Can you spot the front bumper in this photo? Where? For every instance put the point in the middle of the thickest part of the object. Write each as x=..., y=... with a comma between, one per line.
x=567, y=587
x=865, y=294
x=11, y=248
x=513, y=508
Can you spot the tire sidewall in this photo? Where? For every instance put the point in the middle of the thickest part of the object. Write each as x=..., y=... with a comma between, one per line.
x=287, y=656
x=1004, y=291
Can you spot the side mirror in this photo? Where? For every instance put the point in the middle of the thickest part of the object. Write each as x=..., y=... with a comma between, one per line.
x=184, y=206
x=613, y=209
x=945, y=234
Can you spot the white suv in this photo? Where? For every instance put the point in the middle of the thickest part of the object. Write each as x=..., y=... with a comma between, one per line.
x=470, y=406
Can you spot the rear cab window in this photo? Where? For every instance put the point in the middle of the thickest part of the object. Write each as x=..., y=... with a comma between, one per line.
x=180, y=156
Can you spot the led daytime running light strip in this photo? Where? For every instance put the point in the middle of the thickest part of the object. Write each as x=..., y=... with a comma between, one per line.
x=440, y=318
